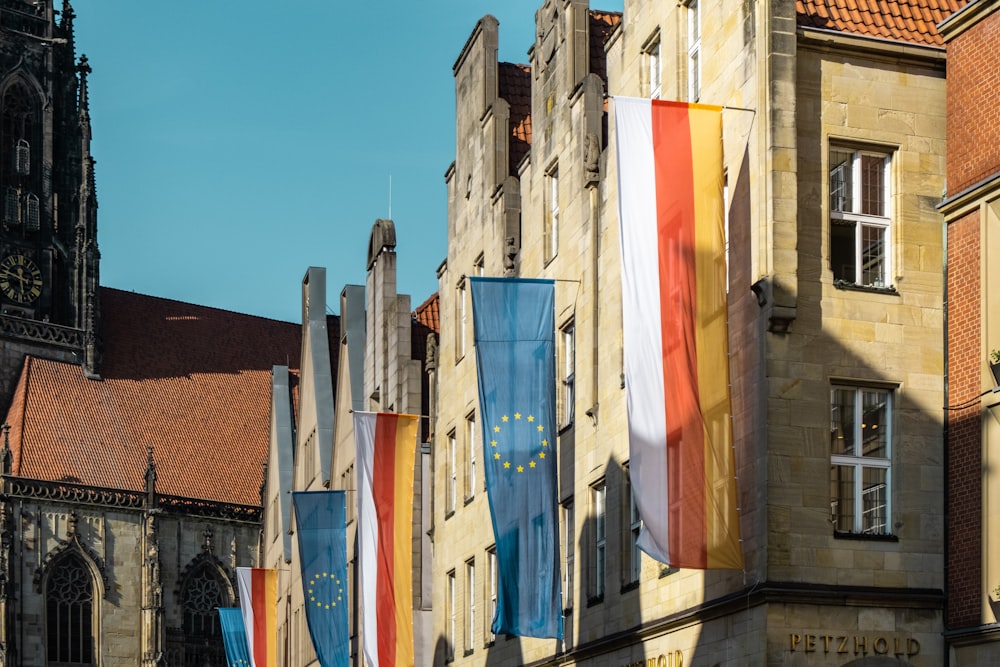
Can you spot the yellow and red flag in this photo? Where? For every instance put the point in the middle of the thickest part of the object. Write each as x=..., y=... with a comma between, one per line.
x=676, y=337
x=386, y=449
x=259, y=603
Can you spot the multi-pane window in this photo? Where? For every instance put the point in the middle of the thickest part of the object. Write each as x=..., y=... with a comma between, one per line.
x=860, y=467
x=69, y=613
x=492, y=580
x=552, y=214
x=460, y=317
x=694, y=51
x=470, y=605
x=450, y=614
x=598, y=499
x=568, y=549
x=634, y=529
x=860, y=230
x=567, y=335
x=470, y=471
x=201, y=598
x=452, y=488
x=654, y=69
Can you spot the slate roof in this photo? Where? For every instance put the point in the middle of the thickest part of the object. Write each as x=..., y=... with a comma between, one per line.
x=192, y=382
x=901, y=20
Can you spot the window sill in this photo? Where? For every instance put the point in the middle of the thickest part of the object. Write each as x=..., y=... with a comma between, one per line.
x=468, y=499
x=567, y=612
x=630, y=586
x=864, y=537
x=666, y=571
x=468, y=652
x=596, y=600
x=854, y=287
x=449, y=514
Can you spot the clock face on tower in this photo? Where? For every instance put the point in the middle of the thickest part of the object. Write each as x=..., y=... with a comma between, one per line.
x=20, y=279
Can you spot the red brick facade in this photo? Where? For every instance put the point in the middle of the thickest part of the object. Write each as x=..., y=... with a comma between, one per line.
x=964, y=428
x=974, y=105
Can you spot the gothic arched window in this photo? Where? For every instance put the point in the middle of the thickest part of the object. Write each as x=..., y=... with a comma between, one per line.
x=69, y=612
x=203, y=594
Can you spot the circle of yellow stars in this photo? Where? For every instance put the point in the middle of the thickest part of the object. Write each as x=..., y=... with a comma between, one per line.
x=318, y=580
x=540, y=453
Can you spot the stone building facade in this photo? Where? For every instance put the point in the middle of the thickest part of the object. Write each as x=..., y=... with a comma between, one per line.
x=835, y=160
x=377, y=355
x=972, y=214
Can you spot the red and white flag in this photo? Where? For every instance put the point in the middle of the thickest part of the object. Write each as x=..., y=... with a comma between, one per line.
x=676, y=339
x=259, y=603
x=386, y=446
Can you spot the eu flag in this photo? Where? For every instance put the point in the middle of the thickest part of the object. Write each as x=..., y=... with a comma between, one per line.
x=320, y=518
x=515, y=355
x=234, y=637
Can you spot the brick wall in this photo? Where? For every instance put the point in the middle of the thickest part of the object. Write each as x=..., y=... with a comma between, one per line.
x=964, y=445
x=974, y=105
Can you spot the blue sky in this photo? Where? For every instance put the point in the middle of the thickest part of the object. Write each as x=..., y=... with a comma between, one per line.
x=239, y=143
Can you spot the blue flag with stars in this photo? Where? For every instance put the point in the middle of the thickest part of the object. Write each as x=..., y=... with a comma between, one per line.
x=514, y=333
x=320, y=521
x=234, y=637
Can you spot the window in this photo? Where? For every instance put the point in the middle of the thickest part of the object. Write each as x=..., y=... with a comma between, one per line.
x=568, y=549
x=634, y=558
x=552, y=214
x=203, y=594
x=860, y=470
x=479, y=268
x=654, y=70
x=450, y=615
x=69, y=613
x=598, y=495
x=470, y=472
x=568, y=367
x=470, y=605
x=452, y=490
x=694, y=51
x=491, y=563
x=859, y=217
x=460, y=317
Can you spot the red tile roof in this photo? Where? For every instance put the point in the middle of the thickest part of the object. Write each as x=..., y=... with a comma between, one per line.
x=193, y=383
x=901, y=20
x=514, y=85
x=429, y=313
x=602, y=24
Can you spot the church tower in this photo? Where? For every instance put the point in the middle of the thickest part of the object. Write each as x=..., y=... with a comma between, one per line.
x=49, y=260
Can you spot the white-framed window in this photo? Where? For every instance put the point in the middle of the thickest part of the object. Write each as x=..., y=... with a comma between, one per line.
x=452, y=463
x=567, y=394
x=470, y=605
x=552, y=213
x=694, y=50
x=634, y=556
x=460, y=317
x=860, y=224
x=492, y=582
x=569, y=551
x=470, y=468
x=598, y=502
x=861, y=460
x=450, y=614
x=654, y=67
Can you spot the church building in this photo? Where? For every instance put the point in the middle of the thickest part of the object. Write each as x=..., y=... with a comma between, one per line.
x=135, y=428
